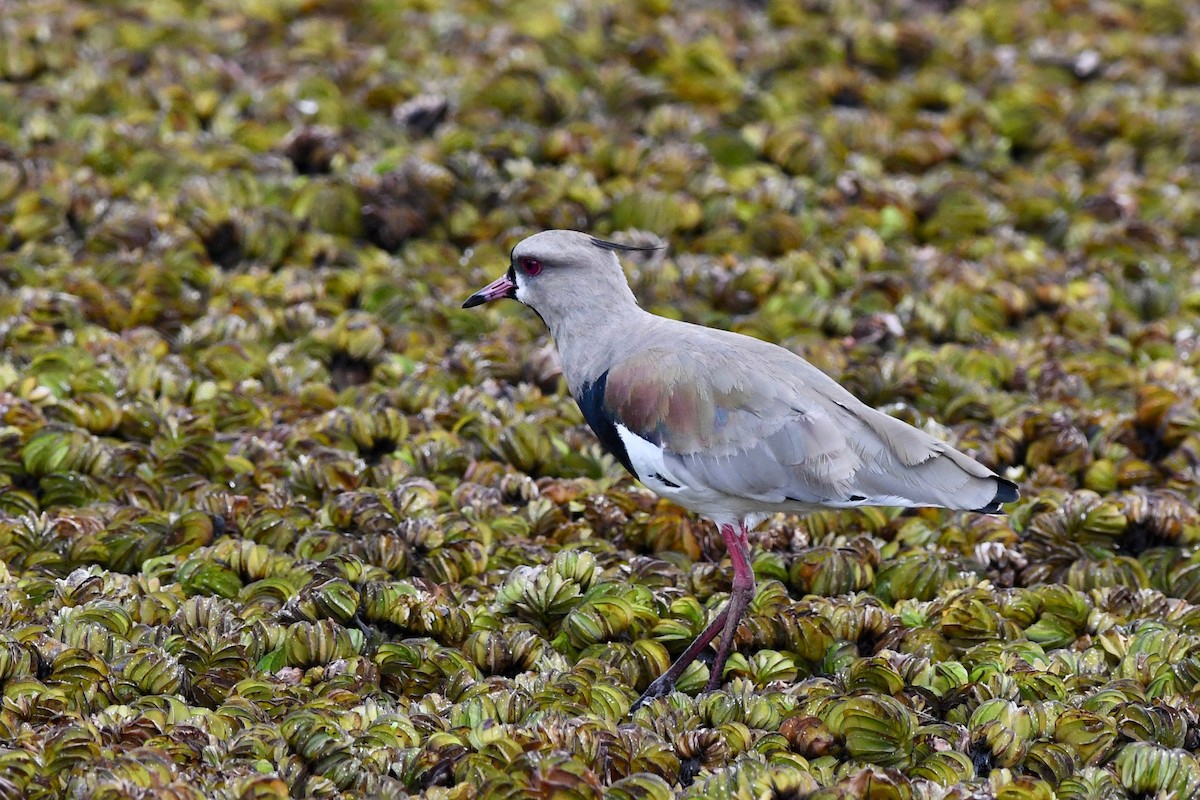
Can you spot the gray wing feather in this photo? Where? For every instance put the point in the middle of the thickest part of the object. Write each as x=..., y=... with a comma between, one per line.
x=799, y=437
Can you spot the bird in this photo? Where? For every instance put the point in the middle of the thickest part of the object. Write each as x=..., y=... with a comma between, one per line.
x=732, y=428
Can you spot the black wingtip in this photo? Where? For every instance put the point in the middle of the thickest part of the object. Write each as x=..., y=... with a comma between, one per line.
x=627, y=248
x=1006, y=492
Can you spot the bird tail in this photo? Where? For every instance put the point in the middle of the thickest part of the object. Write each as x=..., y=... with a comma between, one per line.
x=943, y=481
x=1006, y=492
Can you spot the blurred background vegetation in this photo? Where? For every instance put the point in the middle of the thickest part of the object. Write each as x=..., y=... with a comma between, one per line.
x=278, y=518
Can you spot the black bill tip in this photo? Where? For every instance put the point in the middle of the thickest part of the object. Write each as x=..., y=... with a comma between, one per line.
x=502, y=287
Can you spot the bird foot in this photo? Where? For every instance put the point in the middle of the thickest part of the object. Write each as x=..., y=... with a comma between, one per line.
x=661, y=686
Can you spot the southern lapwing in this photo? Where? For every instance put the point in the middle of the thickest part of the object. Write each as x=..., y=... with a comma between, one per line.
x=729, y=427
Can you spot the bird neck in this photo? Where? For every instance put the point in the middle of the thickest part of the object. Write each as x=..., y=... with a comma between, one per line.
x=589, y=333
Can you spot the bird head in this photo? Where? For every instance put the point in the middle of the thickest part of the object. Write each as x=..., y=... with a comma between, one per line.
x=553, y=271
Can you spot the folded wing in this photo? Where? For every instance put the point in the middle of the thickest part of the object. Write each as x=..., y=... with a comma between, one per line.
x=764, y=425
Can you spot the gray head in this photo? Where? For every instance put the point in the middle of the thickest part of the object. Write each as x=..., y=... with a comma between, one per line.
x=560, y=274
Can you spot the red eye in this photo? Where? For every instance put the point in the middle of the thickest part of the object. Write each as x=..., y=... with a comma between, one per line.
x=531, y=266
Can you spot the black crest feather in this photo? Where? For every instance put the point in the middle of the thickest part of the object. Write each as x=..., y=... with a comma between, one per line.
x=626, y=248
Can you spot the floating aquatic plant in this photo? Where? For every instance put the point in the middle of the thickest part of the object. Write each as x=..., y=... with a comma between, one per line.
x=277, y=519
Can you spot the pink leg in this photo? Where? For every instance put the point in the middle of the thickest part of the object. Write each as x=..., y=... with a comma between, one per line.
x=726, y=622
x=739, y=598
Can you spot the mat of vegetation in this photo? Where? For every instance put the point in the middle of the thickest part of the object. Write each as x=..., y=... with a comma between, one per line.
x=278, y=518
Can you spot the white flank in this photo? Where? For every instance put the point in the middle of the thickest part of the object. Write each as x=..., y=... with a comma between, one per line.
x=647, y=460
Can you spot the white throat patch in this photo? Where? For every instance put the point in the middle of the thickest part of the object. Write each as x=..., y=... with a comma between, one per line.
x=522, y=292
